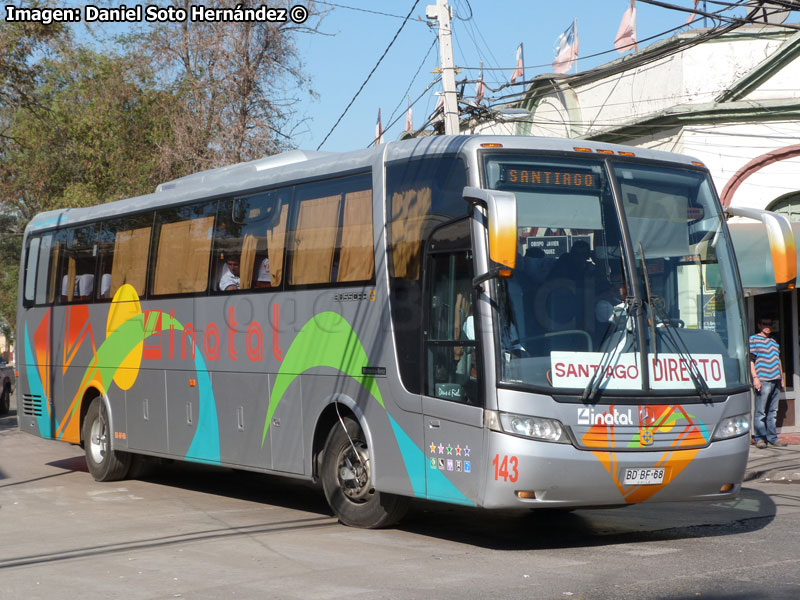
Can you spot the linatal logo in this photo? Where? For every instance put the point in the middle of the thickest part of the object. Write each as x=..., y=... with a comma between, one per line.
x=588, y=416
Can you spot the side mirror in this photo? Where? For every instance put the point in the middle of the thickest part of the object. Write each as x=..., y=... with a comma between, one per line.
x=781, y=243
x=501, y=214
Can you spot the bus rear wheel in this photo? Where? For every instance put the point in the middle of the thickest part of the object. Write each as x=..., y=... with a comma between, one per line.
x=347, y=481
x=105, y=463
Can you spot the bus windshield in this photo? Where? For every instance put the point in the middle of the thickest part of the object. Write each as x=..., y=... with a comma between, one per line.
x=567, y=315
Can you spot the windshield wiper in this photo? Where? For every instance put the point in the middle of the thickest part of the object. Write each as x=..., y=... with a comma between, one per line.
x=675, y=339
x=608, y=356
x=679, y=345
x=651, y=321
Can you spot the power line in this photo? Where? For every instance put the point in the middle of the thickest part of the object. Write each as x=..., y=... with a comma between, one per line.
x=385, y=52
x=417, y=99
x=364, y=10
x=738, y=20
x=413, y=79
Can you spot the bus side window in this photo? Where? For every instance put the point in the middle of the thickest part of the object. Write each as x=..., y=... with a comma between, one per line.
x=78, y=264
x=451, y=351
x=31, y=260
x=123, y=246
x=333, y=240
x=40, y=269
x=249, y=240
x=183, y=248
x=421, y=194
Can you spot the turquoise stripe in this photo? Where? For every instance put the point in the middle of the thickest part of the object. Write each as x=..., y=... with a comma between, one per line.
x=205, y=444
x=36, y=388
x=413, y=458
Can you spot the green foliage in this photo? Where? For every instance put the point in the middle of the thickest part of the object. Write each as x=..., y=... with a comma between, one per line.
x=87, y=133
x=81, y=126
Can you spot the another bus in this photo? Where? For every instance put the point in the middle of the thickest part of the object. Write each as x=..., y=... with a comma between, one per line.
x=500, y=322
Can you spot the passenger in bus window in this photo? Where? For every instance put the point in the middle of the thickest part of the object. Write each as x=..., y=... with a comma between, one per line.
x=85, y=285
x=264, y=278
x=65, y=288
x=105, y=285
x=229, y=281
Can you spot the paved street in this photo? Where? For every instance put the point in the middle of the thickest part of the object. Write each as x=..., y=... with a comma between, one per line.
x=192, y=532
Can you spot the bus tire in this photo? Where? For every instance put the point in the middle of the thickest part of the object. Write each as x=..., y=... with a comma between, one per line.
x=105, y=463
x=5, y=399
x=347, y=481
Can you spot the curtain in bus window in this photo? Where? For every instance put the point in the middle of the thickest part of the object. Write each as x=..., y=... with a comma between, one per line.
x=184, y=249
x=410, y=209
x=68, y=287
x=356, y=258
x=276, y=245
x=315, y=240
x=248, y=258
x=129, y=264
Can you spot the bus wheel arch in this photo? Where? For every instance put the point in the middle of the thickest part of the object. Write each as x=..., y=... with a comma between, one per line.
x=103, y=461
x=338, y=405
x=88, y=397
x=346, y=474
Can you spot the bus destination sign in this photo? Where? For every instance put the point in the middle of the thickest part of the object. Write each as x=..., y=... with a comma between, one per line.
x=529, y=176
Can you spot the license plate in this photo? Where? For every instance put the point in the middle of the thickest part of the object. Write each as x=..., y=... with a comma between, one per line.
x=644, y=476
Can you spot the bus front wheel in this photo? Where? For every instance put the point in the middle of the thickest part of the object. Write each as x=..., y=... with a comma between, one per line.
x=105, y=463
x=347, y=481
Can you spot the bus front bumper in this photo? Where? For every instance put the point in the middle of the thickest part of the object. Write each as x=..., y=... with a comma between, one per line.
x=525, y=473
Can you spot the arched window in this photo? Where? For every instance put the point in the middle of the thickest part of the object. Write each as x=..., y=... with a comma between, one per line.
x=788, y=205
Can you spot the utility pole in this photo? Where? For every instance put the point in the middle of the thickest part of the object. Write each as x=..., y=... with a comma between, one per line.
x=441, y=12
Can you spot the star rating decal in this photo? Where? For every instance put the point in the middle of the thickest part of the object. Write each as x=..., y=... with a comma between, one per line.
x=456, y=466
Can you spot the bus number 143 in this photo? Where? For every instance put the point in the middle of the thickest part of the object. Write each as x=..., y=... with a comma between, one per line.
x=506, y=468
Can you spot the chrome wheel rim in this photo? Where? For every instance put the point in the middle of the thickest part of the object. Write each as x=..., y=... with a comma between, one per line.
x=352, y=472
x=98, y=440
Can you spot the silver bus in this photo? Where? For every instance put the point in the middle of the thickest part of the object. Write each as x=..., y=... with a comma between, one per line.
x=500, y=322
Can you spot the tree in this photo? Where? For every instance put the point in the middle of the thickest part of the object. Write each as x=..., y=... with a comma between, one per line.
x=234, y=82
x=88, y=131
x=19, y=42
x=80, y=127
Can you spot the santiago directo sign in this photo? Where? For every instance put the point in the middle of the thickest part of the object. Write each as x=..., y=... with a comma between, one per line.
x=622, y=372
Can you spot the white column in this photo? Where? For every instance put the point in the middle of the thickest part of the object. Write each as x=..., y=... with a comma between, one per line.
x=441, y=12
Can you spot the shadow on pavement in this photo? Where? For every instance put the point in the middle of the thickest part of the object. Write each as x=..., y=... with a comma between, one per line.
x=9, y=420
x=241, y=485
x=550, y=529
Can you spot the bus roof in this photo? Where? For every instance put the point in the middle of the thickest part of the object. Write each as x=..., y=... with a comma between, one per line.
x=298, y=165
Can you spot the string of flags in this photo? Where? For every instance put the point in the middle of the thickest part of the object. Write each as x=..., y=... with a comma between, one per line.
x=566, y=55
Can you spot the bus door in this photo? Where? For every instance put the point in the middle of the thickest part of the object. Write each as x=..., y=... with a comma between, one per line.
x=452, y=394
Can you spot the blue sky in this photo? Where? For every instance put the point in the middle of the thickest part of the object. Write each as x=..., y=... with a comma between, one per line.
x=483, y=30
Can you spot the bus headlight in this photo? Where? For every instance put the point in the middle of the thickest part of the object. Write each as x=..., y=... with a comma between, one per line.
x=732, y=427
x=537, y=428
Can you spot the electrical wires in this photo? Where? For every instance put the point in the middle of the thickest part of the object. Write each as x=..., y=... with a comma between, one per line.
x=385, y=52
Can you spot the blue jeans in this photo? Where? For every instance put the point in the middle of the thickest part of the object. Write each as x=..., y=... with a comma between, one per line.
x=767, y=411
